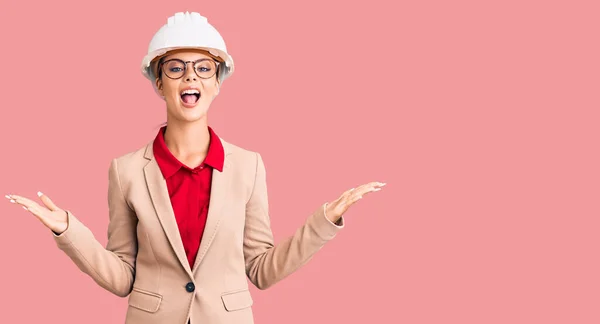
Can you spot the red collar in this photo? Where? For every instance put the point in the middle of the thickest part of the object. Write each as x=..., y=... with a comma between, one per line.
x=168, y=164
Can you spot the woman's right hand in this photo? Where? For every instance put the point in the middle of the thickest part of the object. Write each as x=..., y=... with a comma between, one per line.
x=53, y=217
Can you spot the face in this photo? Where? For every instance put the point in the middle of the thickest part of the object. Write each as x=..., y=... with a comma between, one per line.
x=188, y=82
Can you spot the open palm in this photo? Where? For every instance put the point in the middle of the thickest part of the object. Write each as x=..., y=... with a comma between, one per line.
x=338, y=207
x=49, y=214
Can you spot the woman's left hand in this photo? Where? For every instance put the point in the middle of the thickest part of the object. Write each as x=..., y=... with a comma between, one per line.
x=338, y=207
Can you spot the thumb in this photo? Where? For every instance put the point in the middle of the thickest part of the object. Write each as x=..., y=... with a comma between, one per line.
x=47, y=202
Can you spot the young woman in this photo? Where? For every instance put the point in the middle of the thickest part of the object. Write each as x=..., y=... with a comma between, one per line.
x=188, y=211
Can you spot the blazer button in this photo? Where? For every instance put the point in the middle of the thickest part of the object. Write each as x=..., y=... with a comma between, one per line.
x=190, y=287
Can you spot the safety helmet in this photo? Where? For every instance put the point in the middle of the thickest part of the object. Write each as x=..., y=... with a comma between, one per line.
x=188, y=30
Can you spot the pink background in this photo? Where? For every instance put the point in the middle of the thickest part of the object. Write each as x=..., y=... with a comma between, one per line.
x=482, y=119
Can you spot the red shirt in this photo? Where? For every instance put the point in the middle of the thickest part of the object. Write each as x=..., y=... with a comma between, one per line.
x=189, y=189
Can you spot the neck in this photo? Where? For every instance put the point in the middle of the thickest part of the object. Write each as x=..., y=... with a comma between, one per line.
x=187, y=141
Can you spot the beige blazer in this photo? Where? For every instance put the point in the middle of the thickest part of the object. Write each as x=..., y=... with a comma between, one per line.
x=145, y=260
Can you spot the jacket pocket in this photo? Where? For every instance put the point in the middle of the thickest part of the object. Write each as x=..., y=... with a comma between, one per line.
x=237, y=300
x=144, y=300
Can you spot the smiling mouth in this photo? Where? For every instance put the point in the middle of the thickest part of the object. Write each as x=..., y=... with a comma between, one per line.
x=190, y=97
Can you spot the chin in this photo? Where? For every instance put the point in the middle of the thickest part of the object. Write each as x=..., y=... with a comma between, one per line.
x=192, y=114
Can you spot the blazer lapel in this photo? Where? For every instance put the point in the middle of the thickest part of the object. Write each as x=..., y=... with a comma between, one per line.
x=218, y=197
x=159, y=194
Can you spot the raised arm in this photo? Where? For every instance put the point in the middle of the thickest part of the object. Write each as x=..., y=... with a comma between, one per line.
x=266, y=263
x=113, y=267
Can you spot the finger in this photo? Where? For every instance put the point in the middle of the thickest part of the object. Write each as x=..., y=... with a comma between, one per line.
x=359, y=194
x=10, y=198
x=371, y=187
x=28, y=203
x=349, y=201
x=32, y=207
x=355, y=198
x=348, y=192
x=376, y=184
x=352, y=198
x=36, y=212
x=362, y=190
x=47, y=201
x=352, y=195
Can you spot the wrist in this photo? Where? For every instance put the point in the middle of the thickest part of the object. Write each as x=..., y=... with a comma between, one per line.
x=58, y=230
x=330, y=214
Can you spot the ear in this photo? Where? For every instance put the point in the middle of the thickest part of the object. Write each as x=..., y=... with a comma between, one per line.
x=159, y=86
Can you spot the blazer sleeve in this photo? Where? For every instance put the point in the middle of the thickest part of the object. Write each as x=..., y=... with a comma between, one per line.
x=267, y=264
x=113, y=267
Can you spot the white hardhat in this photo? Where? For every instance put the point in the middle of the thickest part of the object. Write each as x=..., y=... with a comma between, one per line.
x=187, y=30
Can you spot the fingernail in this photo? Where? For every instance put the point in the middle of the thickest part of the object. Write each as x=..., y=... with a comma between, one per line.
x=12, y=201
x=24, y=207
x=7, y=197
x=376, y=189
x=40, y=193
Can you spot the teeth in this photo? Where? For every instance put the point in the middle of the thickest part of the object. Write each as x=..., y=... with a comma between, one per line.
x=191, y=91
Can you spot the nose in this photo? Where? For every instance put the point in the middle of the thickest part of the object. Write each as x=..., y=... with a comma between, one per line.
x=190, y=74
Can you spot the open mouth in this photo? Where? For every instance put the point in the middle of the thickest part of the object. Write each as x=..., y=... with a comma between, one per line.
x=190, y=96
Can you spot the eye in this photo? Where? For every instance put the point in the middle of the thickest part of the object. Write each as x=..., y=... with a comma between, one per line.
x=205, y=66
x=175, y=69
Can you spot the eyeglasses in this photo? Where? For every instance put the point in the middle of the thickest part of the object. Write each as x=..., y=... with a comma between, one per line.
x=176, y=68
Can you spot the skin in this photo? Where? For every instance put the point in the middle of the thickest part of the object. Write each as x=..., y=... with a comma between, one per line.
x=187, y=135
x=187, y=138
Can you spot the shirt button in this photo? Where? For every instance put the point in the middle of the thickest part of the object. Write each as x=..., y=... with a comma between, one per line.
x=190, y=287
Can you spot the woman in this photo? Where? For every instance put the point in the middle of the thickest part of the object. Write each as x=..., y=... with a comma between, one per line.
x=188, y=211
